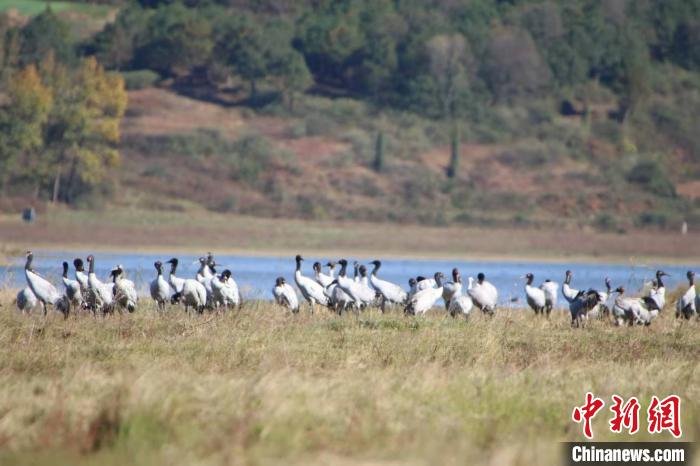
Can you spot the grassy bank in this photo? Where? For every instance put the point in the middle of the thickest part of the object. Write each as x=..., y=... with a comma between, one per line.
x=261, y=386
x=122, y=229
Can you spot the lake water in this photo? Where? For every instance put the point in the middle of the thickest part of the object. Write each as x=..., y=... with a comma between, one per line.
x=256, y=275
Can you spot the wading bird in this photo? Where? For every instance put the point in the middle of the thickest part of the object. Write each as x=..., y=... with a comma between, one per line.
x=285, y=295
x=310, y=289
x=484, y=294
x=45, y=292
x=160, y=288
x=390, y=292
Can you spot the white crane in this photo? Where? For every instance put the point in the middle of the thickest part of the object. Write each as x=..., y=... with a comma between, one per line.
x=160, y=288
x=26, y=300
x=686, y=306
x=321, y=278
x=658, y=292
x=484, y=294
x=193, y=294
x=453, y=288
x=73, y=288
x=634, y=310
x=569, y=293
x=82, y=278
x=312, y=291
x=205, y=275
x=425, y=299
x=551, y=290
x=45, y=292
x=535, y=296
x=175, y=282
x=124, y=290
x=391, y=292
x=285, y=295
x=103, y=292
x=361, y=295
x=461, y=303
x=225, y=290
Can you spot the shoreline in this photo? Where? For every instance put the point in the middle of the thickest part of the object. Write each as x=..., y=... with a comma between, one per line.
x=359, y=254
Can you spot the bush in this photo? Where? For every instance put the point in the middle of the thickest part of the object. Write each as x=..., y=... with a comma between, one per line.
x=140, y=79
x=651, y=175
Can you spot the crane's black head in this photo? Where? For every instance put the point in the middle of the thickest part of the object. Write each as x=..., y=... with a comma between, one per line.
x=420, y=278
x=568, y=273
x=620, y=290
x=226, y=274
x=529, y=276
x=173, y=261
x=455, y=274
x=298, y=258
x=210, y=258
x=343, y=262
x=317, y=266
x=202, y=260
x=279, y=281
x=438, y=276
x=363, y=270
x=412, y=282
x=480, y=278
x=661, y=273
x=65, y=266
x=115, y=272
x=78, y=264
x=330, y=264
x=376, y=263
x=690, y=274
x=90, y=258
x=158, y=265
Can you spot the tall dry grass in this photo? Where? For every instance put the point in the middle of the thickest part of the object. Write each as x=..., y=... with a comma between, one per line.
x=260, y=386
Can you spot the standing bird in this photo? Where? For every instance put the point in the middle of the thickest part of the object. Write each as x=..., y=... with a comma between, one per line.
x=103, y=292
x=160, y=288
x=45, y=292
x=321, y=278
x=193, y=294
x=658, y=293
x=176, y=282
x=461, y=304
x=636, y=310
x=425, y=299
x=285, y=295
x=535, y=296
x=581, y=306
x=124, y=290
x=82, y=278
x=453, y=288
x=391, y=293
x=484, y=295
x=551, y=290
x=362, y=296
x=26, y=300
x=73, y=288
x=568, y=292
x=602, y=310
x=225, y=290
x=312, y=291
x=686, y=306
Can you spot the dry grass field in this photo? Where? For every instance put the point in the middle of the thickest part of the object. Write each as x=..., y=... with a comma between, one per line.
x=262, y=386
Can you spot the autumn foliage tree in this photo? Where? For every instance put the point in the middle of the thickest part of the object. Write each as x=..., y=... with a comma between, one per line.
x=61, y=128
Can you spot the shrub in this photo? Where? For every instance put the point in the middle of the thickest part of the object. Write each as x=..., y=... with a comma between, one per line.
x=651, y=175
x=140, y=79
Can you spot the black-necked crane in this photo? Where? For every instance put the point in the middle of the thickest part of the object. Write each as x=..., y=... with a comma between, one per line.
x=484, y=294
x=311, y=291
x=103, y=292
x=551, y=291
x=425, y=299
x=453, y=288
x=26, y=300
x=391, y=292
x=686, y=306
x=45, y=292
x=535, y=296
x=285, y=295
x=124, y=290
x=160, y=288
x=73, y=288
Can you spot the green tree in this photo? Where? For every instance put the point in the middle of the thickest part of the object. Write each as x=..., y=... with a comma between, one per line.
x=46, y=33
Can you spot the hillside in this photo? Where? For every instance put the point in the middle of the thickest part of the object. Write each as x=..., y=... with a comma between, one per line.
x=473, y=112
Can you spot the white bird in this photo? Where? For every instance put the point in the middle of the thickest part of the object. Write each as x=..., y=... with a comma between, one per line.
x=82, y=278
x=460, y=303
x=103, y=292
x=73, y=288
x=321, y=278
x=686, y=306
x=551, y=290
x=312, y=291
x=45, y=292
x=285, y=295
x=453, y=288
x=26, y=300
x=225, y=290
x=160, y=288
x=193, y=294
x=425, y=299
x=535, y=296
x=602, y=309
x=124, y=290
x=391, y=292
x=423, y=283
x=636, y=310
x=569, y=293
x=484, y=294
x=362, y=296
x=204, y=276
x=175, y=282
x=658, y=292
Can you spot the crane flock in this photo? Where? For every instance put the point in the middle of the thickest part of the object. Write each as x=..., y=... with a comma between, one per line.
x=341, y=293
